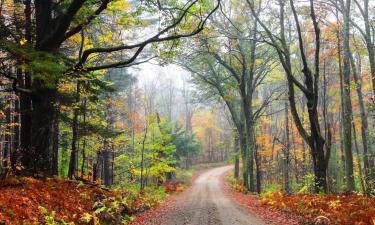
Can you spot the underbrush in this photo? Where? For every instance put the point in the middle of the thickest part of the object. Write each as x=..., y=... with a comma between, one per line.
x=118, y=207
x=325, y=209
x=234, y=183
x=316, y=208
x=59, y=201
x=184, y=176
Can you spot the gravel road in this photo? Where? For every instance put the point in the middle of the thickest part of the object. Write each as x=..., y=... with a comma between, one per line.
x=205, y=203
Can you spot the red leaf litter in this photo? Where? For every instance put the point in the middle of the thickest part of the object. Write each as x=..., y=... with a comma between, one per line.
x=253, y=205
x=20, y=202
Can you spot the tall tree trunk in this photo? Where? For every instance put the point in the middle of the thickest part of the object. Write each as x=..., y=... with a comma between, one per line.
x=55, y=145
x=84, y=138
x=16, y=130
x=248, y=163
x=368, y=165
x=258, y=161
x=8, y=135
x=25, y=100
x=142, y=156
x=341, y=105
x=286, y=151
x=305, y=162
x=42, y=121
x=73, y=154
x=363, y=186
x=243, y=144
x=236, y=157
x=350, y=185
x=106, y=153
x=367, y=34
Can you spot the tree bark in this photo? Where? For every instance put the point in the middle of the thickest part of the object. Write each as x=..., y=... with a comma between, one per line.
x=286, y=151
x=8, y=135
x=106, y=164
x=258, y=160
x=73, y=154
x=236, y=157
x=349, y=173
x=55, y=145
x=368, y=165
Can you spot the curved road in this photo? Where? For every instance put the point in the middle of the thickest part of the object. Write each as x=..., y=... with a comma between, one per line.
x=205, y=203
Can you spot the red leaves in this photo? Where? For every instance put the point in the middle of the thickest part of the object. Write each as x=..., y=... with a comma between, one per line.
x=326, y=209
x=70, y=200
x=173, y=186
x=252, y=203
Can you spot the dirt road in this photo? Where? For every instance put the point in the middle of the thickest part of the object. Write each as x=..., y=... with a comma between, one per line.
x=206, y=204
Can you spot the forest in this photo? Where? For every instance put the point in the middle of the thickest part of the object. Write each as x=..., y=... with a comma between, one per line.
x=196, y=112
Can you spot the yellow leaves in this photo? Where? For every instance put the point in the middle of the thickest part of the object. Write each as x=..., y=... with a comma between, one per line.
x=23, y=41
x=19, y=168
x=76, y=39
x=118, y=5
x=120, y=125
x=66, y=87
x=334, y=204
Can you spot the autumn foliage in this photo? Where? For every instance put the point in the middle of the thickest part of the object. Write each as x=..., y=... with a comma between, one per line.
x=70, y=200
x=325, y=209
x=28, y=200
x=173, y=186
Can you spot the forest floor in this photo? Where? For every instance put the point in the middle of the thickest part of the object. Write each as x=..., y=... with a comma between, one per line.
x=27, y=200
x=301, y=208
x=209, y=200
x=55, y=201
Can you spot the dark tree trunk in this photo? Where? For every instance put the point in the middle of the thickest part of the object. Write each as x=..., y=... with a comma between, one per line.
x=341, y=105
x=16, y=130
x=42, y=122
x=243, y=144
x=369, y=173
x=249, y=151
x=84, y=138
x=236, y=158
x=8, y=136
x=349, y=173
x=106, y=166
x=258, y=158
x=363, y=186
x=310, y=87
x=286, y=151
x=55, y=144
x=25, y=121
x=73, y=154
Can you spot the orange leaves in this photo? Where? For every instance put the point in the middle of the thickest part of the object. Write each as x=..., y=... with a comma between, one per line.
x=173, y=186
x=21, y=203
x=326, y=209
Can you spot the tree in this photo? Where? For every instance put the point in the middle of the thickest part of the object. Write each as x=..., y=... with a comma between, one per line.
x=55, y=24
x=350, y=185
x=310, y=87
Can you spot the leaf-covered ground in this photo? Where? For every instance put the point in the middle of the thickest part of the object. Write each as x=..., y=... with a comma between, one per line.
x=21, y=202
x=277, y=208
x=326, y=209
x=26, y=200
x=254, y=205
